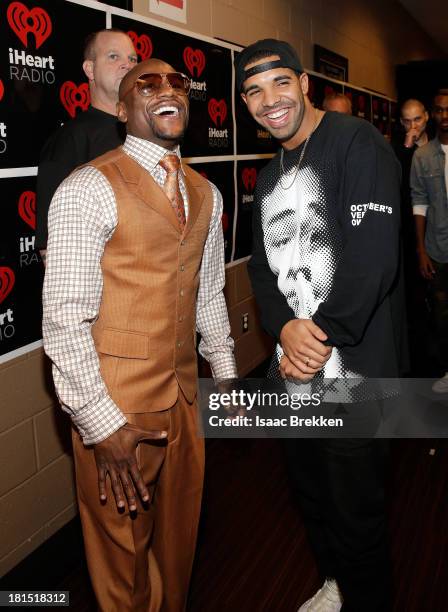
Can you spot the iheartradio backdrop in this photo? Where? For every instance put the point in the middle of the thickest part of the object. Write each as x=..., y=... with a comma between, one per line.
x=42, y=85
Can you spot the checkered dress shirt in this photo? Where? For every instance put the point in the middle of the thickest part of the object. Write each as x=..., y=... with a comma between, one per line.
x=82, y=218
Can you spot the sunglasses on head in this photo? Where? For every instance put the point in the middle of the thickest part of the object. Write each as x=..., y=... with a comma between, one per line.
x=150, y=84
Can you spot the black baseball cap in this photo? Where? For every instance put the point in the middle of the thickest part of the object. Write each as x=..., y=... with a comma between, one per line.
x=287, y=54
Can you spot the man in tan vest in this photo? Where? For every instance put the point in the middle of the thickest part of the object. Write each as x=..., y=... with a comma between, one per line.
x=135, y=267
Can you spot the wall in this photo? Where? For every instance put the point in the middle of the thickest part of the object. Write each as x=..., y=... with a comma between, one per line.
x=36, y=474
x=374, y=36
x=251, y=346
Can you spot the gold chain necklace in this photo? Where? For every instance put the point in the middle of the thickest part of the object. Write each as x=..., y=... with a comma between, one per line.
x=296, y=171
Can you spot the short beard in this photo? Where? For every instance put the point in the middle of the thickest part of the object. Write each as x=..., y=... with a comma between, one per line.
x=296, y=126
x=162, y=135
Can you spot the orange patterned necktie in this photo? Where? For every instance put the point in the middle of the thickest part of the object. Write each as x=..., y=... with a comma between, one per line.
x=171, y=163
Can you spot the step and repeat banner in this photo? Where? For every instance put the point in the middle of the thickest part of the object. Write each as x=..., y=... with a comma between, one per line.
x=42, y=85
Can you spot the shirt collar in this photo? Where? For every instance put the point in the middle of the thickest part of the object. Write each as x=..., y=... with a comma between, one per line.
x=146, y=153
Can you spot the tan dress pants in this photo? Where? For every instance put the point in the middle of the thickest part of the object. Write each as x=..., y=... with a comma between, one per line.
x=143, y=563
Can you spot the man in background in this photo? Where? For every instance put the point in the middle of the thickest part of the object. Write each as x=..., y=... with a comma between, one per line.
x=429, y=186
x=413, y=120
x=108, y=56
x=337, y=102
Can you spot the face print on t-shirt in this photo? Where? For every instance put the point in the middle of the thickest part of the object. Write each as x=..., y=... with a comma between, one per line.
x=302, y=244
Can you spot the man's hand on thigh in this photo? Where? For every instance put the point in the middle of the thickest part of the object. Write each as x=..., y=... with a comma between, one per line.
x=116, y=456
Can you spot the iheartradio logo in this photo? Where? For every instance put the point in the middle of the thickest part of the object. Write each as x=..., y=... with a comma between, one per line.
x=2, y=90
x=142, y=44
x=74, y=96
x=217, y=109
x=7, y=280
x=194, y=60
x=249, y=176
x=24, y=21
x=27, y=208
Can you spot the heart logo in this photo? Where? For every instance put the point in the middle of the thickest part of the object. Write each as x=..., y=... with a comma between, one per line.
x=27, y=208
x=202, y=173
x=194, y=61
x=142, y=44
x=249, y=177
x=7, y=280
x=22, y=21
x=74, y=96
x=2, y=89
x=217, y=109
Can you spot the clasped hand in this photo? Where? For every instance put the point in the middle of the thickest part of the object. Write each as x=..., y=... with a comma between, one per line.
x=304, y=350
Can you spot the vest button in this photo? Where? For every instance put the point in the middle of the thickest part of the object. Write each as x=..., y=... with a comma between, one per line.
x=182, y=267
x=181, y=319
x=182, y=243
x=179, y=344
x=181, y=292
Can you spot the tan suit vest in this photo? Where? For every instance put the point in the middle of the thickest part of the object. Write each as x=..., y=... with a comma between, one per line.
x=146, y=330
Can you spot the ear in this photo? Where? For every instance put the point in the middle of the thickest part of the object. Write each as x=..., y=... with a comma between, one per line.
x=243, y=98
x=426, y=116
x=304, y=83
x=402, y=122
x=122, y=114
x=87, y=66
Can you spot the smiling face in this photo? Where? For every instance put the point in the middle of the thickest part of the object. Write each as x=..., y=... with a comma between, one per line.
x=277, y=100
x=161, y=117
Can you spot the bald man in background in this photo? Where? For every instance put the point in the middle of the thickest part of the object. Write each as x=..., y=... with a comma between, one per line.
x=413, y=119
x=337, y=102
x=108, y=55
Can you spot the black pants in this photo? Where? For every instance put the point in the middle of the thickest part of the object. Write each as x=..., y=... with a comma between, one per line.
x=438, y=292
x=340, y=485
